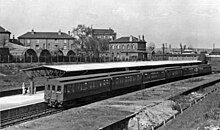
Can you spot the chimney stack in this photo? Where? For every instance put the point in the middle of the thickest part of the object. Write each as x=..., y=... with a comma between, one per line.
x=139, y=38
x=32, y=31
x=59, y=32
x=69, y=33
x=143, y=37
x=130, y=38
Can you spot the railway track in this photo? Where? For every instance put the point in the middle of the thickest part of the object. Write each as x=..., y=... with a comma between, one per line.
x=28, y=116
x=37, y=114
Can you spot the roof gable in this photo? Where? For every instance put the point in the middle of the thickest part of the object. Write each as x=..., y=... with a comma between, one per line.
x=45, y=35
x=126, y=39
x=2, y=30
x=103, y=31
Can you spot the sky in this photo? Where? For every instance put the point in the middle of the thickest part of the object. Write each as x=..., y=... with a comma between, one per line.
x=194, y=23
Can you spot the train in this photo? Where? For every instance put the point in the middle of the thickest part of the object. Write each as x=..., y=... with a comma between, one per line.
x=60, y=92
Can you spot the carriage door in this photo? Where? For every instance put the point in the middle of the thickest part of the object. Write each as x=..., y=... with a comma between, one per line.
x=59, y=93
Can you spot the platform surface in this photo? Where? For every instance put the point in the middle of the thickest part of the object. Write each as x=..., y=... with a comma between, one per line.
x=15, y=101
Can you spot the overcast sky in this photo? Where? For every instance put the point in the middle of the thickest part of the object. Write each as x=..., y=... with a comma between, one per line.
x=191, y=22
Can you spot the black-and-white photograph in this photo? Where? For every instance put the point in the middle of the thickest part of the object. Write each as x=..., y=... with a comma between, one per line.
x=110, y=64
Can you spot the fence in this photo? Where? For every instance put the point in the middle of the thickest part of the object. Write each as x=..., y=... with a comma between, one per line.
x=88, y=59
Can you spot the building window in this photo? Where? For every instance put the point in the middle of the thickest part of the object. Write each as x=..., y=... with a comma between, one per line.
x=128, y=47
x=56, y=46
x=64, y=47
x=56, y=41
x=44, y=46
x=65, y=41
x=38, y=41
x=134, y=46
x=113, y=46
x=48, y=46
x=118, y=46
x=28, y=41
x=123, y=46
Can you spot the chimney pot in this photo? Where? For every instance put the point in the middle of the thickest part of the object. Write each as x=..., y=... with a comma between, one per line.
x=130, y=38
x=143, y=37
x=32, y=31
x=59, y=32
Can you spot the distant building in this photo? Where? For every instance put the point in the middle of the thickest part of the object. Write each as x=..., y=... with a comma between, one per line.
x=188, y=51
x=107, y=34
x=215, y=51
x=4, y=36
x=128, y=48
x=47, y=40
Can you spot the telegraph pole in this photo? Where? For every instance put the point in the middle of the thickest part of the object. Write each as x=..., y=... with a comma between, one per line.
x=163, y=50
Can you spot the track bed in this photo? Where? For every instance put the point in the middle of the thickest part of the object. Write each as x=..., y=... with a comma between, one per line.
x=100, y=114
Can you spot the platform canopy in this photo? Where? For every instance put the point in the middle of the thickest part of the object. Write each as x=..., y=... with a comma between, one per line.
x=59, y=70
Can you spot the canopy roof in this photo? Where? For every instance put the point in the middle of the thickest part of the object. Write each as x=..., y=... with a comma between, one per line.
x=60, y=70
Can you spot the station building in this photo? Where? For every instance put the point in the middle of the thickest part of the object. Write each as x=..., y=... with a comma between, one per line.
x=126, y=48
x=52, y=41
x=104, y=34
x=4, y=36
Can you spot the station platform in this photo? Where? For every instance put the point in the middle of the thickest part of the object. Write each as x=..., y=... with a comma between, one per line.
x=16, y=101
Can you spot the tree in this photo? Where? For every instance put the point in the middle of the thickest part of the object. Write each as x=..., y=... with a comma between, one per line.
x=89, y=45
x=103, y=44
x=182, y=48
x=81, y=32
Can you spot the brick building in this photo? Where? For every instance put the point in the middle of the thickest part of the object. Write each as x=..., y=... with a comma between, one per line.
x=47, y=40
x=125, y=48
x=107, y=34
x=4, y=36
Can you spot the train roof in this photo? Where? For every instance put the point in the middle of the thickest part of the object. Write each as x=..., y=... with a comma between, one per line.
x=91, y=76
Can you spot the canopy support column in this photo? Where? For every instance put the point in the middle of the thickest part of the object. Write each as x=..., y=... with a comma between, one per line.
x=32, y=87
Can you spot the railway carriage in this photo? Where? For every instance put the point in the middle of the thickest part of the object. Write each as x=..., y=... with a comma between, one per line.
x=204, y=69
x=190, y=70
x=63, y=90
x=125, y=79
x=60, y=90
x=153, y=75
x=173, y=72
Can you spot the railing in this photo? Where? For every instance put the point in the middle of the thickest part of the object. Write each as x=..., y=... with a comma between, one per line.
x=88, y=59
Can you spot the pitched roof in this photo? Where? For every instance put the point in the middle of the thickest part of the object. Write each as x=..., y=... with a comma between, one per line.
x=126, y=39
x=15, y=41
x=2, y=30
x=103, y=31
x=45, y=35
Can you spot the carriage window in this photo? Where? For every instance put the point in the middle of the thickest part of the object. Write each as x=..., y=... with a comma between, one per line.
x=53, y=87
x=59, y=88
x=103, y=82
x=48, y=87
